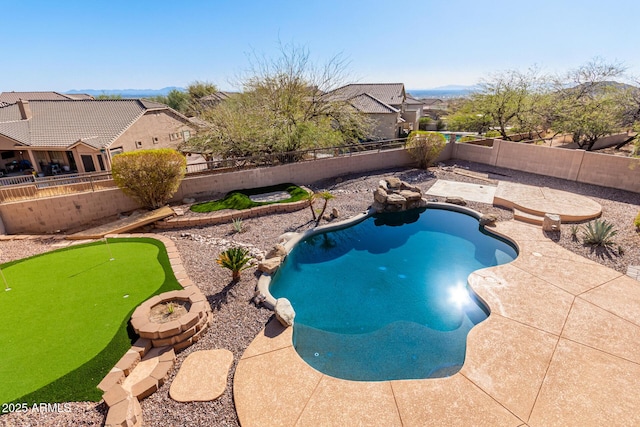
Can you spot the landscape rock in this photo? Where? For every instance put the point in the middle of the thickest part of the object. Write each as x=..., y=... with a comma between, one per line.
x=277, y=251
x=380, y=195
x=455, y=200
x=393, y=182
x=410, y=195
x=396, y=199
x=551, y=222
x=335, y=213
x=188, y=200
x=284, y=312
x=488, y=219
x=270, y=265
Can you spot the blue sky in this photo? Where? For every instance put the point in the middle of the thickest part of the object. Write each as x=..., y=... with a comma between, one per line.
x=92, y=44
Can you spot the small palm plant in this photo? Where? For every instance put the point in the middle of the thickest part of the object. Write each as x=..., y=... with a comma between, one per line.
x=326, y=196
x=236, y=260
x=599, y=233
x=311, y=198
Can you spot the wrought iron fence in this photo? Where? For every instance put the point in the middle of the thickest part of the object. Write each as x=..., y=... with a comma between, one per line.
x=26, y=187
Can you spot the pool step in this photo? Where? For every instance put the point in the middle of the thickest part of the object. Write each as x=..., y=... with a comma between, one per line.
x=529, y=218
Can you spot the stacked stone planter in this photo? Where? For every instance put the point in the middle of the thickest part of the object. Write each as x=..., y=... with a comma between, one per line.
x=181, y=332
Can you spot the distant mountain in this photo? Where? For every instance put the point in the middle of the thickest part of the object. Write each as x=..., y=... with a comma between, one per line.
x=128, y=93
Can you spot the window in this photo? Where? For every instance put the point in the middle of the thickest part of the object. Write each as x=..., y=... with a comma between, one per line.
x=116, y=151
x=138, y=144
x=186, y=135
x=174, y=136
x=101, y=162
x=155, y=139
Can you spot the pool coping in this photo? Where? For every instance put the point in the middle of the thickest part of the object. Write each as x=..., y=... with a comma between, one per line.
x=563, y=334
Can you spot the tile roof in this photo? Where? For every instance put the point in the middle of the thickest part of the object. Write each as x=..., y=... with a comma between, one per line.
x=13, y=97
x=366, y=103
x=413, y=101
x=63, y=123
x=388, y=93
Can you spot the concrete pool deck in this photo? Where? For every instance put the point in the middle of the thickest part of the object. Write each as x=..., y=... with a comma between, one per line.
x=561, y=347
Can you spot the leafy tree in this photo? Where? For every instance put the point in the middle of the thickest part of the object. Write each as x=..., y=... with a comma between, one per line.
x=504, y=100
x=425, y=147
x=188, y=102
x=587, y=104
x=282, y=108
x=150, y=176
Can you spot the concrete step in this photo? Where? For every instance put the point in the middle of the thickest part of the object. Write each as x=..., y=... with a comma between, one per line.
x=527, y=217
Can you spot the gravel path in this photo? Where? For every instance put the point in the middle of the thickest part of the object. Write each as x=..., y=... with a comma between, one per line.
x=237, y=320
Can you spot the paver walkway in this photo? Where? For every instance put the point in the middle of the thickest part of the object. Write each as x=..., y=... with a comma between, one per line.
x=561, y=347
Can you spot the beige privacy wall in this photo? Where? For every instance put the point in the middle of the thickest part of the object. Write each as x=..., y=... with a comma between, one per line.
x=574, y=165
x=62, y=213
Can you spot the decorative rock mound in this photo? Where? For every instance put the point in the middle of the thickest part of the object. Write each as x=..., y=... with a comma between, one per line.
x=394, y=195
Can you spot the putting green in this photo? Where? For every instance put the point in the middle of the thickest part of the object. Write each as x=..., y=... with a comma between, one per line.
x=64, y=321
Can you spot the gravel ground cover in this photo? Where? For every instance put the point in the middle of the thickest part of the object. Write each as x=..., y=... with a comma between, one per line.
x=237, y=320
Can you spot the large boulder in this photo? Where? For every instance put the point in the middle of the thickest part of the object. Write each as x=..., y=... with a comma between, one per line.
x=284, y=312
x=380, y=195
x=455, y=200
x=393, y=182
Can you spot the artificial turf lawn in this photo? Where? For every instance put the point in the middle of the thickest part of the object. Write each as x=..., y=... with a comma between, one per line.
x=65, y=318
x=239, y=199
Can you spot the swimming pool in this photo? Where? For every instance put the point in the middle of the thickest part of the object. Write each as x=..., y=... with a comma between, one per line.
x=387, y=298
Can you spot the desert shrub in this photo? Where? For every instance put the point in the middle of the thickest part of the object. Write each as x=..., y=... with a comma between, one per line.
x=440, y=124
x=599, y=233
x=492, y=134
x=636, y=221
x=150, y=176
x=425, y=147
x=424, y=122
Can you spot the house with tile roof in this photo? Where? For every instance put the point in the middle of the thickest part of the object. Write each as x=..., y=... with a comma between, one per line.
x=387, y=104
x=57, y=135
x=13, y=97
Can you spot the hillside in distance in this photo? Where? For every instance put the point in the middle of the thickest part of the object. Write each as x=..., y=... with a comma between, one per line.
x=127, y=93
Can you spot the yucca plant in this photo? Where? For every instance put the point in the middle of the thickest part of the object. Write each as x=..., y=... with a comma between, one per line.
x=599, y=233
x=574, y=231
x=237, y=225
x=236, y=260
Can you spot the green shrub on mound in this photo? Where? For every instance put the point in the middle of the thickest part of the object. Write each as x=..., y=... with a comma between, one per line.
x=239, y=199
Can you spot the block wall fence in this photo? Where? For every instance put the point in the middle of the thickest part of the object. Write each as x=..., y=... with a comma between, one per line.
x=50, y=215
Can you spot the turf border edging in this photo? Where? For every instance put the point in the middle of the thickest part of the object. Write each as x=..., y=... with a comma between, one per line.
x=215, y=218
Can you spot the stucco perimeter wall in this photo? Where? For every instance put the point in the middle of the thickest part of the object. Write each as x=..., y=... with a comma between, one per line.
x=48, y=215
x=298, y=173
x=65, y=212
x=574, y=165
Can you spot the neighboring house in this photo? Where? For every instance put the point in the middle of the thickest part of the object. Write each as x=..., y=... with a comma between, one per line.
x=215, y=98
x=434, y=107
x=13, y=97
x=387, y=104
x=83, y=135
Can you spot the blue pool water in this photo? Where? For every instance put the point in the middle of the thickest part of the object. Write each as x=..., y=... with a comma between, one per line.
x=387, y=298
